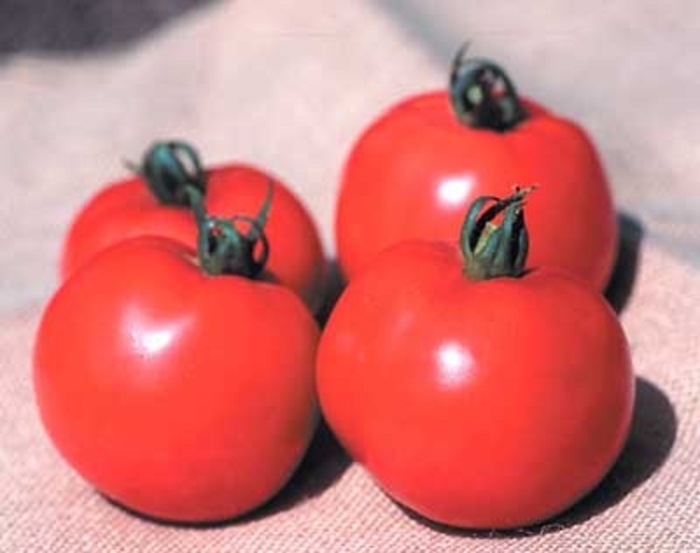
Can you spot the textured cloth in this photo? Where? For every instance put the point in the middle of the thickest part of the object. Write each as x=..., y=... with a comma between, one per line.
x=289, y=85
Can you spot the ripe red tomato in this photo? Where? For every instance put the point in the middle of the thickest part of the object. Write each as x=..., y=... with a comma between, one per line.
x=181, y=395
x=415, y=170
x=490, y=403
x=128, y=208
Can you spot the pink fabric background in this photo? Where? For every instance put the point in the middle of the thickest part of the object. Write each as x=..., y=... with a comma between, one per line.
x=288, y=85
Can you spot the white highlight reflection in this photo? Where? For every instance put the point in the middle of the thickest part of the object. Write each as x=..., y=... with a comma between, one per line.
x=453, y=191
x=153, y=342
x=454, y=364
x=149, y=337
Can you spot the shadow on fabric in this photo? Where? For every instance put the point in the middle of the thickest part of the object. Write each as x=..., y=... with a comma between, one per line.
x=653, y=433
x=76, y=26
x=324, y=463
x=624, y=274
x=335, y=284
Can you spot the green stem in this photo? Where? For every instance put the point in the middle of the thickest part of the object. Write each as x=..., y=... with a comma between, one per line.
x=493, y=250
x=169, y=168
x=173, y=172
x=224, y=249
x=482, y=94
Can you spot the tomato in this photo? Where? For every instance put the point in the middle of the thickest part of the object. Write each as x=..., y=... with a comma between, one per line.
x=128, y=208
x=182, y=395
x=414, y=171
x=477, y=397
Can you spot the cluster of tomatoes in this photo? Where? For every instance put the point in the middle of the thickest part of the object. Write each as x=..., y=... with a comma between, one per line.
x=471, y=364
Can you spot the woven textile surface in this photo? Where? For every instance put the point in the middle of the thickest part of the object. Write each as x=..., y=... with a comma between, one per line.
x=289, y=86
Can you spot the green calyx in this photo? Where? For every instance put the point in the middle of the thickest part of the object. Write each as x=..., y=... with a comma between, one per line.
x=491, y=249
x=482, y=94
x=223, y=248
x=175, y=175
x=171, y=169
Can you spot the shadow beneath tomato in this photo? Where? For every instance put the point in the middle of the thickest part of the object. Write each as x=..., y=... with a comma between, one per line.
x=618, y=291
x=653, y=433
x=621, y=285
x=324, y=463
x=335, y=284
x=74, y=26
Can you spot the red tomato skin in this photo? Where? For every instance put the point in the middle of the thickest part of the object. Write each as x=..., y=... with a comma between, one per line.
x=490, y=404
x=181, y=396
x=126, y=209
x=416, y=169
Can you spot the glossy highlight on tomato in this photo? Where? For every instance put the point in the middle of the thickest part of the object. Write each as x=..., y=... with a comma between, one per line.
x=415, y=169
x=476, y=392
x=127, y=208
x=182, y=395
